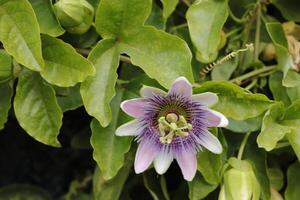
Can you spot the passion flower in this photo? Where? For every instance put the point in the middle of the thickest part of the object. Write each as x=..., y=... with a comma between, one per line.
x=173, y=125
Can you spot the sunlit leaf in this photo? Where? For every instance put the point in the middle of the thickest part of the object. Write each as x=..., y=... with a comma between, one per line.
x=116, y=18
x=205, y=20
x=64, y=67
x=20, y=33
x=109, y=149
x=36, y=108
x=46, y=18
x=162, y=56
x=98, y=91
x=272, y=131
x=111, y=189
x=234, y=101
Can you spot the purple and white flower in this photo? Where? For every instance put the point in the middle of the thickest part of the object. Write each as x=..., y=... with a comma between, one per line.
x=173, y=125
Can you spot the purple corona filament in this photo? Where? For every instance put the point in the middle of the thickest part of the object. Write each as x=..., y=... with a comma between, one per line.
x=173, y=125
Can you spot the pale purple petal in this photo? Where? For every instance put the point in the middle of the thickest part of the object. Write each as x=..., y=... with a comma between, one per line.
x=134, y=107
x=206, y=98
x=182, y=87
x=149, y=92
x=131, y=128
x=162, y=162
x=145, y=154
x=187, y=162
x=211, y=143
x=216, y=119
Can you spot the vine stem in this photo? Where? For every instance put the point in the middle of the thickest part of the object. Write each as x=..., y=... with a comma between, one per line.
x=243, y=144
x=257, y=32
x=253, y=73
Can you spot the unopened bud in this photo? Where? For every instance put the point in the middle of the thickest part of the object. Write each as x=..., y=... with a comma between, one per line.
x=76, y=16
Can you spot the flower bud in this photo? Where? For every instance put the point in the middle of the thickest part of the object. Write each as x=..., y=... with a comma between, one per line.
x=76, y=16
x=269, y=52
x=240, y=182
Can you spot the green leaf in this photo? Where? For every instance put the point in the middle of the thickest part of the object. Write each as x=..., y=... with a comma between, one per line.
x=36, y=108
x=46, y=18
x=279, y=92
x=169, y=7
x=5, y=66
x=23, y=192
x=234, y=101
x=224, y=71
x=284, y=58
x=162, y=56
x=105, y=57
x=156, y=18
x=293, y=93
x=6, y=94
x=109, y=149
x=64, y=67
x=20, y=33
x=276, y=178
x=116, y=18
x=210, y=165
x=292, y=191
x=289, y=9
x=272, y=131
x=244, y=126
x=205, y=21
x=111, y=189
x=71, y=100
x=199, y=188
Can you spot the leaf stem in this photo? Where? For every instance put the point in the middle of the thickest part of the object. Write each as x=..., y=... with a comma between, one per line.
x=243, y=144
x=174, y=28
x=257, y=32
x=252, y=73
x=251, y=85
x=234, y=18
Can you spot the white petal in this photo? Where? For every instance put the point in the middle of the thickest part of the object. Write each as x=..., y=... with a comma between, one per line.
x=211, y=143
x=134, y=107
x=144, y=156
x=187, y=162
x=216, y=119
x=129, y=129
x=181, y=86
x=162, y=162
x=206, y=98
x=148, y=92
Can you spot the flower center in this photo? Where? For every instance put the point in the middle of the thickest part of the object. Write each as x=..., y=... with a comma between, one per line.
x=172, y=125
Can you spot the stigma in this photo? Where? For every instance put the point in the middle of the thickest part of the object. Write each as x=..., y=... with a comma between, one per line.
x=172, y=125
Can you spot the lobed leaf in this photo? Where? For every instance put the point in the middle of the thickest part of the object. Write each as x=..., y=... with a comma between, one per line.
x=234, y=101
x=109, y=149
x=98, y=91
x=162, y=56
x=116, y=18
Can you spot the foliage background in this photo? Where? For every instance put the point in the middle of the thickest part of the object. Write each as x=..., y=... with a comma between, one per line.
x=62, y=80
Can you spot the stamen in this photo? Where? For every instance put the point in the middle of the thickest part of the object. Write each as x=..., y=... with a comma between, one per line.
x=171, y=126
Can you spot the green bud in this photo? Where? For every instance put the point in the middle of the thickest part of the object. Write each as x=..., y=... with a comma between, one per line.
x=240, y=182
x=76, y=16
